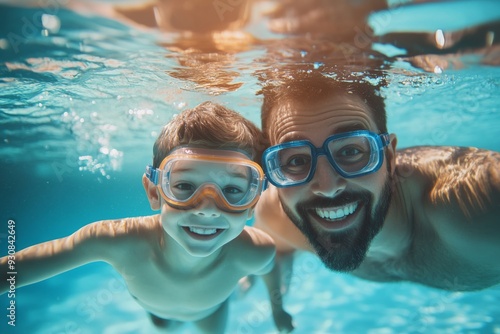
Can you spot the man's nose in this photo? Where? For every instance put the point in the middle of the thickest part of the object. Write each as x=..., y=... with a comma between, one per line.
x=326, y=181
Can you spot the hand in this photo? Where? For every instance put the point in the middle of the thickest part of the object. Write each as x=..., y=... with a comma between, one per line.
x=492, y=56
x=245, y=284
x=283, y=321
x=436, y=63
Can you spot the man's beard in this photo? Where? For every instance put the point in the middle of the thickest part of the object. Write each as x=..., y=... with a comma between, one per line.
x=345, y=250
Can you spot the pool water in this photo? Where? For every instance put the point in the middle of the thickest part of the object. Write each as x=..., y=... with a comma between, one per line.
x=82, y=98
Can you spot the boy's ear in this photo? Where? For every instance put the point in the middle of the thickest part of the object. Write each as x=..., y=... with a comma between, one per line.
x=391, y=153
x=152, y=193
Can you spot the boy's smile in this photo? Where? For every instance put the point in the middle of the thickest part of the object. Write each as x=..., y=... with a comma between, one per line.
x=202, y=232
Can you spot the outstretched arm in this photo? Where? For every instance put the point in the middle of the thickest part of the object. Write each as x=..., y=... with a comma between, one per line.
x=42, y=261
x=462, y=206
x=475, y=232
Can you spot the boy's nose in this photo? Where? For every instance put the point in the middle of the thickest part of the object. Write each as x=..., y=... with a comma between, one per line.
x=207, y=208
x=326, y=182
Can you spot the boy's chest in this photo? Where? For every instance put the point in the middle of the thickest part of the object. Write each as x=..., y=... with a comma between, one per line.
x=179, y=294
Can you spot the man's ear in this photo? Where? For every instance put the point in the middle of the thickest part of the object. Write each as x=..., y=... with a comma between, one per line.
x=152, y=193
x=391, y=153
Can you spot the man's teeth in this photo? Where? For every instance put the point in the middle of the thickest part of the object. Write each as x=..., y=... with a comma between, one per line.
x=203, y=231
x=337, y=213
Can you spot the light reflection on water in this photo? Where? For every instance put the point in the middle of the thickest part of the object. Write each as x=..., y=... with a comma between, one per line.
x=108, y=69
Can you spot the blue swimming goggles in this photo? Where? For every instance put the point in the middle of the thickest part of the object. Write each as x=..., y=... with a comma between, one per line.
x=188, y=175
x=351, y=154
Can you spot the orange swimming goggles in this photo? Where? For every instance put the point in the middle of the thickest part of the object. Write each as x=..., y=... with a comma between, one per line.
x=188, y=175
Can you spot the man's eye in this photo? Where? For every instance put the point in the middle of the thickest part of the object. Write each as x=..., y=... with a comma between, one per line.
x=297, y=165
x=350, y=152
x=297, y=161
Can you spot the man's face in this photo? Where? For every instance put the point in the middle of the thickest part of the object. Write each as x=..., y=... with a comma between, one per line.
x=339, y=216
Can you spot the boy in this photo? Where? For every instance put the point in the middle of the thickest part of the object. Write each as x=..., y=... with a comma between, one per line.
x=183, y=264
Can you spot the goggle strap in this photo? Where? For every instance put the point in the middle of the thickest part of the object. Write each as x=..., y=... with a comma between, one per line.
x=386, y=139
x=265, y=184
x=152, y=174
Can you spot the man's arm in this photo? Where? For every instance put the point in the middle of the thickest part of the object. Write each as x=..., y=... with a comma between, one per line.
x=463, y=206
x=268, y=266
x=272, y=279
x=270, y=217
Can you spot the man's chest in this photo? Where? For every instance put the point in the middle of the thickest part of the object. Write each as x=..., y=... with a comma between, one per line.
x=430, y=263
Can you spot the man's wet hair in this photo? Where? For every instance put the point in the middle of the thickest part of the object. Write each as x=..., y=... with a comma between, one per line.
x=306, y=85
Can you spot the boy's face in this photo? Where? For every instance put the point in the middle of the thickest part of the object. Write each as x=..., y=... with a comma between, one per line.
x=207, y=196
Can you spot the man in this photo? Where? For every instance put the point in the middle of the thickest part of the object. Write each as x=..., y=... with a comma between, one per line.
x=341, y=190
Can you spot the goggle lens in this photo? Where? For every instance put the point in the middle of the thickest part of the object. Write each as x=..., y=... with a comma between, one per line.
x=294, y=163
x=189, y=175
x=353, y=154
x=237, y=183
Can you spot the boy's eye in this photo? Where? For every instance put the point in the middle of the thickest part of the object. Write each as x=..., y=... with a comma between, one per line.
x=184, y=186
x=232, y=190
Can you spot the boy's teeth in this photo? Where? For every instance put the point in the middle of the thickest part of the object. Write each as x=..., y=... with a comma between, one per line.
x=337, y=213
x=203, y=231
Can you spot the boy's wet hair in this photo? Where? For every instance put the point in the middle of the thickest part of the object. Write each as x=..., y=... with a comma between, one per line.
x=209, y=125
x=312, y=86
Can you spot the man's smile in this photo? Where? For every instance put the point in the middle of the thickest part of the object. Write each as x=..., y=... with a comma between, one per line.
x=336, y=213
x=337, y=217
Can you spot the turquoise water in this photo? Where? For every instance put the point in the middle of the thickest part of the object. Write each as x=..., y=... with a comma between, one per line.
x=81, y=105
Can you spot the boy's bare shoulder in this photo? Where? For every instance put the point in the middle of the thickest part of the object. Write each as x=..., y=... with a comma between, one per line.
x=115, y=236
x=254, y=247
x=126, y=228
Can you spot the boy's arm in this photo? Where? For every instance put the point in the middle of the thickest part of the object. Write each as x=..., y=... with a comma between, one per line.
x=44, y=260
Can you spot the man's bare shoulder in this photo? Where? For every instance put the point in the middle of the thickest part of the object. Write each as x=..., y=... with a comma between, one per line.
x=269, y=211
x=271, y=218
x=463, y=176
x=456, y=217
